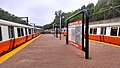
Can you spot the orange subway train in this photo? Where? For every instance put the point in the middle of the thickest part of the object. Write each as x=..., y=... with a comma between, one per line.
x=13, y=35
x=104, y=32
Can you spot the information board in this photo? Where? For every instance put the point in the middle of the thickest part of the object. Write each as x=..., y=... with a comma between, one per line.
x=75, y=33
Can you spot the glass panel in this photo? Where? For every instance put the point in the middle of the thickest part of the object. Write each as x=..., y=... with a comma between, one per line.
x=32, y=31
x=0, y=34
x=19, y=33
x=95, y=31
x=114, y=31
x=91, y=30
x=29, y=31
x=26, y=31
x=103, y=30
x=119, y=32
x=22, y=32
x=11, y=31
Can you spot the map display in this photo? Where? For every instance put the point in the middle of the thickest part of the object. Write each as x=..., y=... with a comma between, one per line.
x=75, y=32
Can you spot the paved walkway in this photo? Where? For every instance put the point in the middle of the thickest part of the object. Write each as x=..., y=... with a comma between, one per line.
x=50, y=52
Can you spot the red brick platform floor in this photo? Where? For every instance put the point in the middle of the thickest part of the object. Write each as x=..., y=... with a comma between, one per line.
x=50, y=52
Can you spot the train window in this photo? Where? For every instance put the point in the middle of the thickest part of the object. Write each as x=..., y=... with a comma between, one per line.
x=119, y=32
x=103, y=30
x=95, y=31
x=29, y=31
x=35, y=31
x=26, y=31
x=32, y=31
x=114, y=31
x=84, y=30
x=22, y=33
x=0, y=34
x=19, y=32
x=11, y=31
x=91, y=30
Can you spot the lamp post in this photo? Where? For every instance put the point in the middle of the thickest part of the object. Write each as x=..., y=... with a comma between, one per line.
x=61, y=17
x=60, y=26
x=60, y=14
x=56, y=31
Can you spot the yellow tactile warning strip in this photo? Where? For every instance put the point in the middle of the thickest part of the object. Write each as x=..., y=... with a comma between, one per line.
x=106, y=43
x=10, y=54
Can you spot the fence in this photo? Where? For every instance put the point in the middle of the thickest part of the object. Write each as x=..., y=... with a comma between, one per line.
x=113, y=12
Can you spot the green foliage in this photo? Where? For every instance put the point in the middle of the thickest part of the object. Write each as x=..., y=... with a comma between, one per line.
x=56, y=21
x=47, y=26
x=39, y=26
x=9, y=17
x=98, y=9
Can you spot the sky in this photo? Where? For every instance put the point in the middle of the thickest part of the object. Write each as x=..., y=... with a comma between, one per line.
x=41, y=12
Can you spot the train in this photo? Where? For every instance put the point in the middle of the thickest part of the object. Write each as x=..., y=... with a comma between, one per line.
x=103, y=32
x=63, y=31
x=13, y=35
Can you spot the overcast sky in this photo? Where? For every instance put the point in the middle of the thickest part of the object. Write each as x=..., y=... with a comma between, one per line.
x=41, y=12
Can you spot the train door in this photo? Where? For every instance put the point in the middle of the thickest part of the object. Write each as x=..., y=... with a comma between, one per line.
x=103, y=32
x=32, y=33
x=0, y=34
x=26, y=33
x=11, y=37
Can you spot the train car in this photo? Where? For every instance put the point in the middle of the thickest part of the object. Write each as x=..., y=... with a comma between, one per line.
x=13, y=35
x=105, y=32
x=63, y=31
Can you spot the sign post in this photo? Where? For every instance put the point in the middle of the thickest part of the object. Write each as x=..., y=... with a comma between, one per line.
x=85, y=20
x=56, y=31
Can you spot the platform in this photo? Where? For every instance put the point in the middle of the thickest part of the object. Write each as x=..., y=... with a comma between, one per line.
x=50, y=52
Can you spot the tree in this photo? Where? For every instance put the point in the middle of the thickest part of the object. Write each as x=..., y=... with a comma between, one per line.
x=95, y=11
x=5, y=15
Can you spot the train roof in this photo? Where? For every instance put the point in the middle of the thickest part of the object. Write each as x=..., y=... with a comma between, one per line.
x=115, y=22
x=8, y=23
x=106, y=25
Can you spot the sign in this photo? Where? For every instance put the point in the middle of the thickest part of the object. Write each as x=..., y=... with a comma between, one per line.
x=75, y=33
